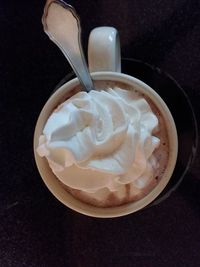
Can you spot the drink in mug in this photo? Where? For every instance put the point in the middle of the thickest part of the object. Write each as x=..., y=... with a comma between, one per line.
x=107, y=153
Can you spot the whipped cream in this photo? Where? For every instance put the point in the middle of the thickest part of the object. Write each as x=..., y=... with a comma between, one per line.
x=101, y=140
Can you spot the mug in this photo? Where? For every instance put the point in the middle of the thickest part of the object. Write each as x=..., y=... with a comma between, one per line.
x=105, y=65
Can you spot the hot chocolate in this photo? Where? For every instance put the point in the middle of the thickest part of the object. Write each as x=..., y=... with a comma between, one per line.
x=108, y=147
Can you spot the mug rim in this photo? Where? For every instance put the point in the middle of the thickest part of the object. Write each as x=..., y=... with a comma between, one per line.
x=66, y=198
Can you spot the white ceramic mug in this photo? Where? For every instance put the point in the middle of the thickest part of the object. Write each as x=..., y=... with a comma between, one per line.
x=104, y=55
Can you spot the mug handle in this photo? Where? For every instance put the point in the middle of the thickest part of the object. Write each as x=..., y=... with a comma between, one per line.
x=104, y=50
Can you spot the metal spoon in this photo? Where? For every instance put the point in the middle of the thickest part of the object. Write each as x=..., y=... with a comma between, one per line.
x=62, y=25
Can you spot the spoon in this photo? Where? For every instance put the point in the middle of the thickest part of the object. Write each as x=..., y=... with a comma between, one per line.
x=62, y=24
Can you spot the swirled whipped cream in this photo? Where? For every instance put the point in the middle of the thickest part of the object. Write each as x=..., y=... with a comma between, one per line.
x=101, y=139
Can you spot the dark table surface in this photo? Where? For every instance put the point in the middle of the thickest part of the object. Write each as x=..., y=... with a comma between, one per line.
x=37, y=230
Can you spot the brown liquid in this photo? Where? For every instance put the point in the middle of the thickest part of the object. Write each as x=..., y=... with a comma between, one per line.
x=161, y=153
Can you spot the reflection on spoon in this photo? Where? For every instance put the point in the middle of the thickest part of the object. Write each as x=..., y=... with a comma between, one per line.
x=62, y=25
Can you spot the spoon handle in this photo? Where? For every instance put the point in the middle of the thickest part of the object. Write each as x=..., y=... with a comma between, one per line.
x=62, y=25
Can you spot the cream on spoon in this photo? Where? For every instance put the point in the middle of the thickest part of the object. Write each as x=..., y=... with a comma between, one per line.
x=62, y=25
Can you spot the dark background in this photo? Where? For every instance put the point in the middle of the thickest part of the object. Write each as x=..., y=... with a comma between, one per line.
x=35, y=229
